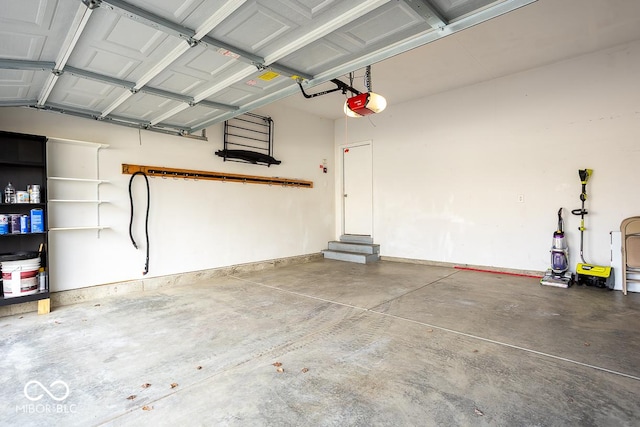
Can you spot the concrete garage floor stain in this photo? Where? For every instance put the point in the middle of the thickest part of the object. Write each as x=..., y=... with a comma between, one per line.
x=380, y=344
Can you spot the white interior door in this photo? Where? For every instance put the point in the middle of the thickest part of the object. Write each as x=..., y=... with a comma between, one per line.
x=357, y=179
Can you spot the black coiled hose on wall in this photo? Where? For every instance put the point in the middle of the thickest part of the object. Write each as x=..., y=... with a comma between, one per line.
x=146, y=221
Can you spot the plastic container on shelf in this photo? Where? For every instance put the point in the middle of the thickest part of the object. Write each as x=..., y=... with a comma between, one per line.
x=22, y=197
x=43, y=279
x=9, y=193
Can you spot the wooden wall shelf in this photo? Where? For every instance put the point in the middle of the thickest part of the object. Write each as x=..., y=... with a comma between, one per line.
x=163, y=172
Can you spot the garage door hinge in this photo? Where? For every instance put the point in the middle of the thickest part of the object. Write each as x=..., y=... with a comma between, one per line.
x=92, y=4
x=191, y=41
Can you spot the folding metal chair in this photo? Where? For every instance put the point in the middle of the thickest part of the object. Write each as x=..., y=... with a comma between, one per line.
x=630, y=236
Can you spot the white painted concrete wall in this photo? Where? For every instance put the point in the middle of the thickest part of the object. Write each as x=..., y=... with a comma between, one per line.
x=448, y=169
x=194, y=225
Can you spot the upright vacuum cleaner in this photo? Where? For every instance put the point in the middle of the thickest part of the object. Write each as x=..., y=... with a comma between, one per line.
x=589, y=274
x=559, y=275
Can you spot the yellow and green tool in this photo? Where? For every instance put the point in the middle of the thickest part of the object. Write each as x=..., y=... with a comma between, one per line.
x=589, y=274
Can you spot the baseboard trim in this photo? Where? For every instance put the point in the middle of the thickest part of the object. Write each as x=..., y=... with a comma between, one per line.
x=97, y=292
x=480, y=268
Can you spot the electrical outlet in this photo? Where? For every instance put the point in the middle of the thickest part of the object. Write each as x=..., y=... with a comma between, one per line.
x=521, y=198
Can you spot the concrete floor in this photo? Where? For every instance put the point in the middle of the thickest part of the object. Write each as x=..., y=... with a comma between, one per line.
x=380, y=344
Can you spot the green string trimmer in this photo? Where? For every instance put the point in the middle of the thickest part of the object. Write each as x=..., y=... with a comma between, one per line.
x=584, y=175
x=589, y=274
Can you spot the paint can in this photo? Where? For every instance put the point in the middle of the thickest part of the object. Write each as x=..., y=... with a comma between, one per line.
x=4, y=224
x=14, y=223
x=37, y=221
x=34, y=193
x=25, y=224
x=22, y=197
x=19, y=276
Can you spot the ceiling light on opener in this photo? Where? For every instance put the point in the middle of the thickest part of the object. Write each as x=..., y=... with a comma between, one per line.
x=364, y=104
x=367, y=103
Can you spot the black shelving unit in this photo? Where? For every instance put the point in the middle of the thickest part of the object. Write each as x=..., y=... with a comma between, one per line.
x=23, y=162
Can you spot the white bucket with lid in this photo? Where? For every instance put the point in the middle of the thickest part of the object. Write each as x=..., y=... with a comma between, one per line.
x=20, y=277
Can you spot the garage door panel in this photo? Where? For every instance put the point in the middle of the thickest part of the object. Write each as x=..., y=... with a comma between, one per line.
x=176, y=11
x=135, y=39
x=177, y=82
x=145, y=106
x=15, y=85
x=389, y=23
x=453, y=9
x=118, y=47
x=22, y=46
x=204, y=63
x=256, y=27
x=193, y=116
x=317, y=55
x=77, y=92
x=381, y=24
x=192, y=73
x=308, y=8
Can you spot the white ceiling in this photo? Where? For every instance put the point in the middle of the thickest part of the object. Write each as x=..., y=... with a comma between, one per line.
x=179, y=66
x=541, y=33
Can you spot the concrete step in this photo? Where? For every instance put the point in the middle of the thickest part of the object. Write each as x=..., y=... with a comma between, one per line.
x=356, y=238
x=350, y=256
x=361, y=248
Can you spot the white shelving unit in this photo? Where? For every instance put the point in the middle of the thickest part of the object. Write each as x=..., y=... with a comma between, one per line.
x=98, y=227
x=89, y=181
x=59, y=178
x=78, y=201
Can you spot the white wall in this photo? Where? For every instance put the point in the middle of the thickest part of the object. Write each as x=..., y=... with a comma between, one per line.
x=448, y=169
x=193, y=225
